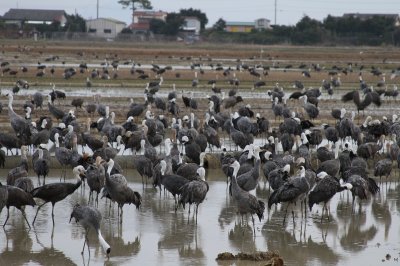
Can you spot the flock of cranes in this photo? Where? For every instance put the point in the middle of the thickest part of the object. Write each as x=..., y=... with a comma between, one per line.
x=303, y=162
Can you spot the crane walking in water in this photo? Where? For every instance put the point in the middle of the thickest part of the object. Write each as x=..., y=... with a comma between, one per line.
x=89, y=217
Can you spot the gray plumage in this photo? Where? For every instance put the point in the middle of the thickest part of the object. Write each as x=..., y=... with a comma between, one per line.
x=3, y=196
x=56, y=112
x=105, y=152
x=324, y=190
x=9, y=141
x=19, y=124
x=311, y=109
x=77, y=102
x=239, y=138
x=324, y=154
x=41, y=166
x=268, y=167
x=18, y=198
x=331, y=167
x=249, y=181
x=143, y=165
x=56, y=192
x=188, y=170
x=246, y=202
x=37, y=100
x=19, y=171
x=368, y=150
x=120, y=192
x=291, y=191
x=361, y=188
x=62, y=154
x=331, y=134
x=194, y=192
x=287, y=142
x=95, y=176
x=277, y=177
x=89, y=217
x=277, y=108
x=172, y=183
x=24, y=183
x=383, y=168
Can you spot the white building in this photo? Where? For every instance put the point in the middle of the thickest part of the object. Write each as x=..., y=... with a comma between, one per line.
x=192, y=24
x=104, y=27
x=262, y=23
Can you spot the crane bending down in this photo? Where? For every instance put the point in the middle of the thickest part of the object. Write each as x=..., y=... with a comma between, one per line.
x=89, y=217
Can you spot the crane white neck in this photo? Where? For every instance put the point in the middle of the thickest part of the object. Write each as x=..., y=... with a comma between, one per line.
x=103, y=243
x=110, y=167
x=10, y=102
x=235, y=170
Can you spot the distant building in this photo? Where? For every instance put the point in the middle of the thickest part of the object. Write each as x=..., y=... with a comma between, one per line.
x=262, y=23
x=104, y=27
x=365, y=16
x=231, y=26
x=192, y=24
x=34, y=16
x=141, y=19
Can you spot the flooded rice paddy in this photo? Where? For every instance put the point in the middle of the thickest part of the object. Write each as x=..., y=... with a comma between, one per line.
x=156, y=235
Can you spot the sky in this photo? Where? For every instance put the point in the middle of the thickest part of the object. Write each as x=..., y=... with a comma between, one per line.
x=288, y=12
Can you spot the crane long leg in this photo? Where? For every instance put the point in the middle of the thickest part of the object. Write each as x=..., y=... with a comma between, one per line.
x=8, y=214
x=254, y=227
x=37, y=211
x=52, y=212
x=83, y=249
x=284, y=218
x=23, y=214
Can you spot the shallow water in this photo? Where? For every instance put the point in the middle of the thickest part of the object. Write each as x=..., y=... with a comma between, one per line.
x=156, y=235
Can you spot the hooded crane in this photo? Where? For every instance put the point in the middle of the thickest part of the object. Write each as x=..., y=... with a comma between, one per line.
x=311, y=109
x=249, y=180
x=56, y=192
x=19, y=124
x=3, y=196
x=95, y=176
x=18, y=198
x=89, y=217
x=119, y=191
x=194, y=192
x=246, y=202
x=292, y=190
x=41, y=166
x=361, y=188
x=172, y=182
x=324, y=191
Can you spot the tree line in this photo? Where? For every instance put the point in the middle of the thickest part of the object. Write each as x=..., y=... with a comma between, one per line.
x=350, y=30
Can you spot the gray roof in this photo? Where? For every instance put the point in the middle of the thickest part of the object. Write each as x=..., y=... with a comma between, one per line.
x=109, y=19
x=34, y=14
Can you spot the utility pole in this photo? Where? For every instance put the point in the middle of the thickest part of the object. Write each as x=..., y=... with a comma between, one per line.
x=275, y=12
x=97, y=9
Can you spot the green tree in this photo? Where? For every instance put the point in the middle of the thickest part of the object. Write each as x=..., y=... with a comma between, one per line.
x=157, y=26
x=307, y=31
x=219, y=25
x=146, y=4
x=75, y=23
x=195, y=13
x=173, y=24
